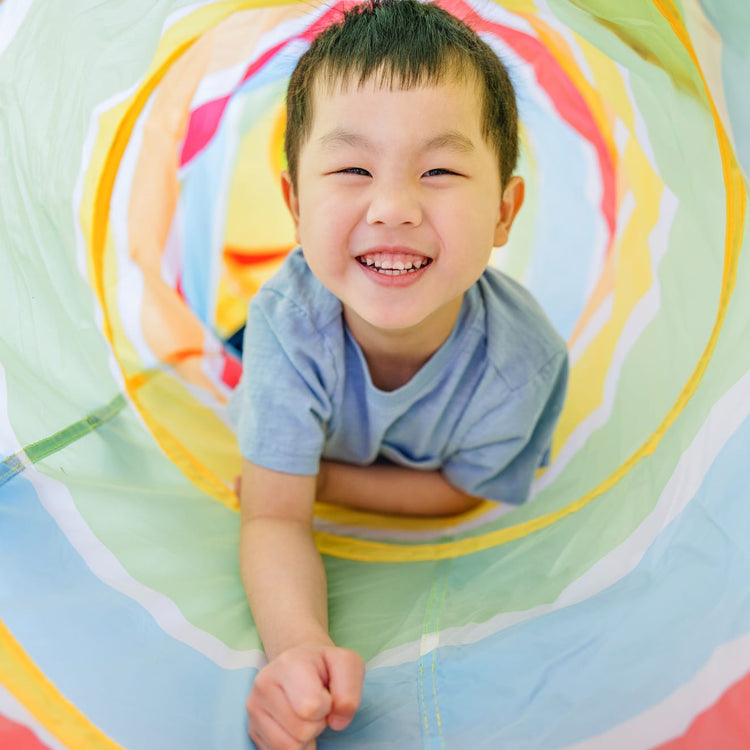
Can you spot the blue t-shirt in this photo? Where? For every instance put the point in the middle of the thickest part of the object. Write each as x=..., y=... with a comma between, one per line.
x=482, y=409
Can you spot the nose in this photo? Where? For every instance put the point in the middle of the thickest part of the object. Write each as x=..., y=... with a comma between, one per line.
x=394, y=203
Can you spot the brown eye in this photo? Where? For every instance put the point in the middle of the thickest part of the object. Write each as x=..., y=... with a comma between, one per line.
x=354, y=170
x=438, y=172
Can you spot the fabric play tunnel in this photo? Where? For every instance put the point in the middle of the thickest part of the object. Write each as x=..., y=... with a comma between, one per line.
x=140, y=148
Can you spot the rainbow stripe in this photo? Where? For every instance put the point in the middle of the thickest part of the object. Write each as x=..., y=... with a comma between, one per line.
x=141, y=210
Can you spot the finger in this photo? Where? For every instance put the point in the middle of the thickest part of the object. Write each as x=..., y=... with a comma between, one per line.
x=346, y=672
x=268, y=734
x=305, y=691
x=270, y=701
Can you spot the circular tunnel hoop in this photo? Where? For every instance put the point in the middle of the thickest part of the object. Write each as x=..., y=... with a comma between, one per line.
x=373, y=551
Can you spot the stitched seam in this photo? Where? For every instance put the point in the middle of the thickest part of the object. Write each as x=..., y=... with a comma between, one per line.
x=19, y=461
x=441, y=602
x=431, y=629
x=425, y=631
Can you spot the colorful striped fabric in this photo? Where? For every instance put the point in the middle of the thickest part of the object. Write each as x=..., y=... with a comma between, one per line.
x=140, y=147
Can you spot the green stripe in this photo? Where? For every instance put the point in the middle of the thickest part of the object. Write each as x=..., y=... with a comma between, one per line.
x=35, y=452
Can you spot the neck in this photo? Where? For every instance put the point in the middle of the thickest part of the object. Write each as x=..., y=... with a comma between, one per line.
x=394, y=356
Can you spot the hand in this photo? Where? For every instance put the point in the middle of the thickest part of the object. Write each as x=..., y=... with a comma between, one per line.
x=302, y=691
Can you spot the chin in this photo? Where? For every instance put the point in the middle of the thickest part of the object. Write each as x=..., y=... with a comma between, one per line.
x=394, y=324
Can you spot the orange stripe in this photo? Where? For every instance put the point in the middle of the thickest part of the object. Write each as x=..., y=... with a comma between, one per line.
x=247, y=256
x=193, y=469
x=100, y=222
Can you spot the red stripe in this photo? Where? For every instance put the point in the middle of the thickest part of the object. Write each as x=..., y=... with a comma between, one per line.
x=566, y=98
x=230, y=375
x=18, y=737
x=724, y=726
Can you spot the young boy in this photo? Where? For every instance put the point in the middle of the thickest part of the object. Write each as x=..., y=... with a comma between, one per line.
x=386, y=368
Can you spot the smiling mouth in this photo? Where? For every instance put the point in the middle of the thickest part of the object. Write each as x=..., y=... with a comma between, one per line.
x=393, y=264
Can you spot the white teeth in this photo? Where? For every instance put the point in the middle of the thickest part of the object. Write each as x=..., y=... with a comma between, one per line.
x=393, y=267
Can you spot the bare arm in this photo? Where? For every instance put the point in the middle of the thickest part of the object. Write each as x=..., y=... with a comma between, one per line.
x=281, y=570
x=388, y=488
x=309, y=683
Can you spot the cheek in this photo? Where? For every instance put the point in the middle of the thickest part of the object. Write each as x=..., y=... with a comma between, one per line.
x=337, y=216
x=474, y=219
x=487, y=217
x=324, y=225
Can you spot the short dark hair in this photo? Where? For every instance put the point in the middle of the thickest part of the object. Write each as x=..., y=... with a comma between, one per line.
x=403, y=44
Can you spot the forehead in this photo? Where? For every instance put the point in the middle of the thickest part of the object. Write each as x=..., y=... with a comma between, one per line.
x=452, y=101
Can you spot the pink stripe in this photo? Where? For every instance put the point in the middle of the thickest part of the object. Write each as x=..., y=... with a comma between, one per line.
x=204, y=120
x=203, y=124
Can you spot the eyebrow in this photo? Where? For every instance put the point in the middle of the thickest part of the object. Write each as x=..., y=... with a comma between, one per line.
x=450, y=140
x=342, y=137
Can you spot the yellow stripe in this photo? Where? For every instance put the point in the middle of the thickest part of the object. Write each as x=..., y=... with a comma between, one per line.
x=342, y=516
x=370, y=551
x=146, y=392
x=28, y=684
x=195, y=470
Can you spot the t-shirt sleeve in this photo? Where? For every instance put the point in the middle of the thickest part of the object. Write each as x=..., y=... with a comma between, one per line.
x=283, y=400
x=508, y=434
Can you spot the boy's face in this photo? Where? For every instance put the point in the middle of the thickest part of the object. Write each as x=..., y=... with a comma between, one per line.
x=398, y=202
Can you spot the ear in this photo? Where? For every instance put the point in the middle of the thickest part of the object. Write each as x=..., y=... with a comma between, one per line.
x=291, y=200
x=510, y=204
